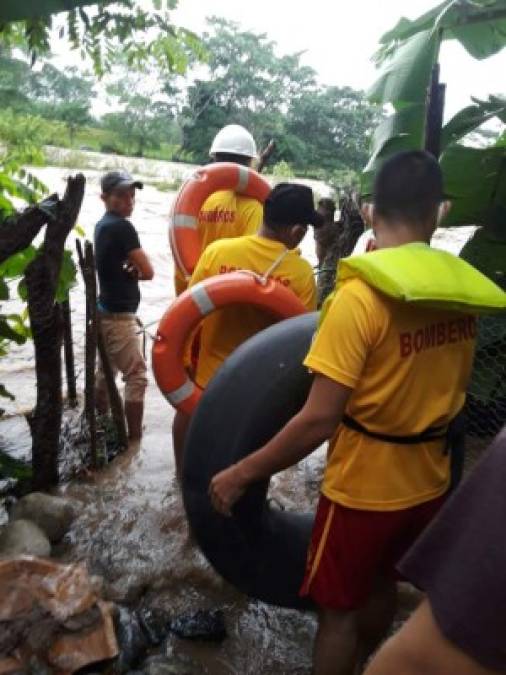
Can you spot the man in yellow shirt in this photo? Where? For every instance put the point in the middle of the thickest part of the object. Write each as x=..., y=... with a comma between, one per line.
x=226, y=214
x=389, y=376
x=288, y=211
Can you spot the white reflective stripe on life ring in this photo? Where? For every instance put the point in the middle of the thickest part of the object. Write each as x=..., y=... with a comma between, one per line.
x=185, y=221
x=201, y=298
x=177, y=396
x=242, y=183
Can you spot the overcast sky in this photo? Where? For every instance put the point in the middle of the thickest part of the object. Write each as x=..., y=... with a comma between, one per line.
x=339, y=38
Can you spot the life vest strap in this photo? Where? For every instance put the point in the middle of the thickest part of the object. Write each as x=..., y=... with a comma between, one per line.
x=430, y=434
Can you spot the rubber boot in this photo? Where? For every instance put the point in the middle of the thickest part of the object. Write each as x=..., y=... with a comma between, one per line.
x=134, y=411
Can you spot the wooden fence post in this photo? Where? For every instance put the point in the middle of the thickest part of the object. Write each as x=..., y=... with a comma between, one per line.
x=68, y=349
x=88, y=271
x=117, y=412
x=112, y=390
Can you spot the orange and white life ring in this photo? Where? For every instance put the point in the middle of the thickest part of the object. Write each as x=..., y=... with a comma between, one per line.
x=184, y=236
x=184, y=315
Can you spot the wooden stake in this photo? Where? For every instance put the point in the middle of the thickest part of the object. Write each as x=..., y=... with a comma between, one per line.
x=68, y=350
x=115, y=402
x=112, y=390
x=86, y=263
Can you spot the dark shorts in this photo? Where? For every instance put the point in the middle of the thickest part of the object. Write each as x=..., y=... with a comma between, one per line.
x=350, y=548
x=460, y=562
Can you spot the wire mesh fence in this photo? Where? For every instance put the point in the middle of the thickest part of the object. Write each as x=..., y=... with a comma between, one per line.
x=486, y=397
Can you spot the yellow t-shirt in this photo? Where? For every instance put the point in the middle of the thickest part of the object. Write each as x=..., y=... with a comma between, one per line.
x=227, y=328
x=224, y=214
x=408, y=367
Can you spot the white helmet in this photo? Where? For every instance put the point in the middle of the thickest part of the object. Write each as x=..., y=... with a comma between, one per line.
x=235, y=140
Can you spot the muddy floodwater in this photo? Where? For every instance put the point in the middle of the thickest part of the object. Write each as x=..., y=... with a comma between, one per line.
x=131, y=529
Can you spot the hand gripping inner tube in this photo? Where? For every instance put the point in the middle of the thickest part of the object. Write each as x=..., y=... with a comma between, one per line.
x=188, y=310
x=184, y=236
x=260, y=550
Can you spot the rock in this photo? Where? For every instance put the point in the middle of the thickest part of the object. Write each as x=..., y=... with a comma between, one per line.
x=155, y=624
x=132, y=641
x=206, y=625
x=22, y=537
x=53, y=515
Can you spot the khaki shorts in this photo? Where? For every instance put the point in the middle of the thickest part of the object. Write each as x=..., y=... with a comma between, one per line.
x=123, y=345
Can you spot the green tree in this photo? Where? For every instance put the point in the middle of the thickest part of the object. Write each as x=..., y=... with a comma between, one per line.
x=15, y=81
x=335, y=124
x=317, y=129
x=63, y=95
x=246, y=83
x=144, y=118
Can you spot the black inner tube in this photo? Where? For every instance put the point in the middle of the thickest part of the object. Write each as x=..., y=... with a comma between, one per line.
x=260, y=550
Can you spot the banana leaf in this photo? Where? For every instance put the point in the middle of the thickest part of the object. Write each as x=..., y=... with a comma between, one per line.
x=403, y=130
x=479, y=25
x=407, y=55
x=475, y=179
x=406, y=73
x=470, y=118
x=14, y=10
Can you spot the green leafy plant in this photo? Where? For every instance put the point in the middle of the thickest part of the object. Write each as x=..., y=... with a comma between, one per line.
x=406, y=57
x=282, y=169
x=98, y=31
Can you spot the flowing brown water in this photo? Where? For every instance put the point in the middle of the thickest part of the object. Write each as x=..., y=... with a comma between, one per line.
x=132, y=529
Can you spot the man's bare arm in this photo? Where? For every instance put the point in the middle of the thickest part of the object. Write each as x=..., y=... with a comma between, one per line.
x=314, y=424
x=140, y=261
x=419, y=648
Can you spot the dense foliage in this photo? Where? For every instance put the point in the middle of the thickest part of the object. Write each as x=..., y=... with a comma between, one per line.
x=319, y=130
x=475, y=177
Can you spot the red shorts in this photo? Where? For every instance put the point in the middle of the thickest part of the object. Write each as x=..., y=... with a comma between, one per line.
x=350, y=548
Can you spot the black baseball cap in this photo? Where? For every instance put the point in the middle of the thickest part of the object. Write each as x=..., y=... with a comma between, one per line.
x=291, y=204
x=118, y=180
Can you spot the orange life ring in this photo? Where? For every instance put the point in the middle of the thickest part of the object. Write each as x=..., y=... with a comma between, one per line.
x=184, y=315
x=184, y=236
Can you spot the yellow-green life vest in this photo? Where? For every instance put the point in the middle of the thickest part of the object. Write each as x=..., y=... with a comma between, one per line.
x=425, y=276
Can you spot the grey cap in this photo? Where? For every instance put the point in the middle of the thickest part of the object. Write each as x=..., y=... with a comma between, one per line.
x=114, y=180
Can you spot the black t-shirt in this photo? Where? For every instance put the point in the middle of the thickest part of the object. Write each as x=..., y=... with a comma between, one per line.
x=115, y=237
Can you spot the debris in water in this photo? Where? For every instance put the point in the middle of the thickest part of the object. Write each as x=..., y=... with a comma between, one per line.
x=53, y=613
x=206, y=625
x=132, y=640
x=155, y=624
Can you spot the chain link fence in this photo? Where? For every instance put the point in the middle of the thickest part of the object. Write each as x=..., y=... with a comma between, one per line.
x=486, y=397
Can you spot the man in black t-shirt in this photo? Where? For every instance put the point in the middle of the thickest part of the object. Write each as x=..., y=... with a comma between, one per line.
x=121, y=264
